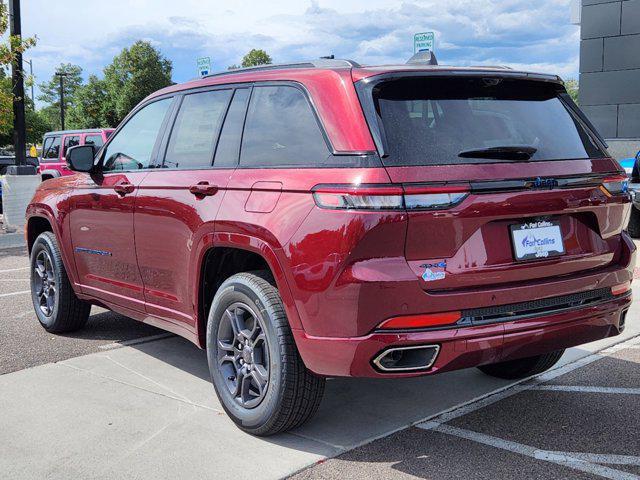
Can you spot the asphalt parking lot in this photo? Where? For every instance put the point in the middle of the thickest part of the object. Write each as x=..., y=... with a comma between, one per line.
x=122, y=399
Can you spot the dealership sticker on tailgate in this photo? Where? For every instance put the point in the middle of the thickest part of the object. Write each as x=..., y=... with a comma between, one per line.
x=533, y=240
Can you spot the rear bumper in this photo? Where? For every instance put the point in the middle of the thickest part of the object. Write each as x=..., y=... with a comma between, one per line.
x=466, y=346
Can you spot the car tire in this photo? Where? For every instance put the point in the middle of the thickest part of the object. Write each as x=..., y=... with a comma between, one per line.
x=57, y=307
x=523, y=367
x=259, y=346
x=634, y=223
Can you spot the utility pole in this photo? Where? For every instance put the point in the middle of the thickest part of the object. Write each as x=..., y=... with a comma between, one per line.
x=61, y=75
x=33, y=98
x=19, y=126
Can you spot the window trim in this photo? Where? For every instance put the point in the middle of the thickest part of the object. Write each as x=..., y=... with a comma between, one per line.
x=99, y=158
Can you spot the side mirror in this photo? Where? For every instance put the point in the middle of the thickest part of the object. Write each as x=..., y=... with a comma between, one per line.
x=635, y=173
x=80, y=158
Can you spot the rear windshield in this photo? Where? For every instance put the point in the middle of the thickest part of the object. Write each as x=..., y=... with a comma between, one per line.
x=432, y=121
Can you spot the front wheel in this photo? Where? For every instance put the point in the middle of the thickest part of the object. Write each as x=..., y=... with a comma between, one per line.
x=255, y=366
x=58, y=308
x=523, y=367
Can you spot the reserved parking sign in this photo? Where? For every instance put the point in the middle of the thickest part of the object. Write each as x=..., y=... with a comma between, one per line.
x=423, y=41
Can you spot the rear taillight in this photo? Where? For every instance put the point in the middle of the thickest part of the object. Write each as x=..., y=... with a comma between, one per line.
x=615, y=185
x=389, y=197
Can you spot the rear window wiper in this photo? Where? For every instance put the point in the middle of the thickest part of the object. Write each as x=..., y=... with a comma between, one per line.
x=511, y=152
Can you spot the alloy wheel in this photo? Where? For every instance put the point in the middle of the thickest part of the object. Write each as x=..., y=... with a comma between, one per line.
x=45, y=283
x=243, y=355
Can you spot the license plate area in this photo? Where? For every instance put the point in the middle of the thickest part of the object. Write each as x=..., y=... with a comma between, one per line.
x=536, y=240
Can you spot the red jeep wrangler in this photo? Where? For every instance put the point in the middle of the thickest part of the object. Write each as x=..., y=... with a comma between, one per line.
x=324, y=219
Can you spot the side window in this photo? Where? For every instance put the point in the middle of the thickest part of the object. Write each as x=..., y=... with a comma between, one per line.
x=229, y=144
x=132, y=146
x=46, y=145
x=195, y=131
x=70, y=142
x=281, y=130
x=95, y=140
x=54, y=149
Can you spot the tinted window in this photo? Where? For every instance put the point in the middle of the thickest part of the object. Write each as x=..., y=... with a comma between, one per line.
x=195, y=131
x=93, y=140
x=70, y=142
x=54, y=149
x=431, y=121
x=132, y=146
x=281, y=130
x=45, y=145
x=229, y=144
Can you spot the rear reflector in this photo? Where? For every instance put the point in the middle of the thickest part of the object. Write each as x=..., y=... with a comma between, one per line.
x=621, y=288
x=421, y=321
x=615, y=185
x=389, y=197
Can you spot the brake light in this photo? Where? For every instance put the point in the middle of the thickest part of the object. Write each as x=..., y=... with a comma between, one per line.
x=621, y=288
x=389, y=197
x=615, y=185
x=421, y=321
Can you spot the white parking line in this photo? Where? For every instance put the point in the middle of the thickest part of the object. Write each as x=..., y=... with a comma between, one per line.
x=594, y=457
x=587, y=389
x=559, y=458
x=22, y=292
x=14, y=269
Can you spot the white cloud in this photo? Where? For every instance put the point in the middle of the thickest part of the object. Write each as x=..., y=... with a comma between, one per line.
x=520, y=33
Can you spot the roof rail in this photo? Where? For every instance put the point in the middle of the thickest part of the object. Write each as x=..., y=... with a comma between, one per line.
x=320, y=63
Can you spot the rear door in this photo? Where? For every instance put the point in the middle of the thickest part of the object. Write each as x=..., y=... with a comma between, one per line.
x=101, y=215
x=178, y=201
x=503, y=182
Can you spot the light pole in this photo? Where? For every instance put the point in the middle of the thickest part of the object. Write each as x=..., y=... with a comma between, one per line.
x=33, y=99
x=19, y=126
x=61, y=75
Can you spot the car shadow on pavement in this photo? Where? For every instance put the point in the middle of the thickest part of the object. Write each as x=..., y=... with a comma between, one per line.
x=353, y=410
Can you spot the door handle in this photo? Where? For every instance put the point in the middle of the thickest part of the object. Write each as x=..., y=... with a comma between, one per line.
x=203, y=189
x=123, y=189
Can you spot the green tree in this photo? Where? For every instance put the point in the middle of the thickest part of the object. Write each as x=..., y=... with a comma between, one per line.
x=37, y=125
x=90, y=104
x=10, y=46
x=256, y=57
x=50, y=92
x=573, y=88
x=135, y=73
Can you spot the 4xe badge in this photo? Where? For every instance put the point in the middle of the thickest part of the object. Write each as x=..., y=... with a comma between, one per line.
x=434, y=271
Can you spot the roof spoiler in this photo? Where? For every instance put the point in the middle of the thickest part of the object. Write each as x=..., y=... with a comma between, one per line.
x=423, y=57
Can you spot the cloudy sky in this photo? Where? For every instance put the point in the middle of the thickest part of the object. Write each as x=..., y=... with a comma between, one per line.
x=535, y=34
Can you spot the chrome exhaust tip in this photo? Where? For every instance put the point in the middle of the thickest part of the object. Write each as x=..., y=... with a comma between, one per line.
x=407, y=359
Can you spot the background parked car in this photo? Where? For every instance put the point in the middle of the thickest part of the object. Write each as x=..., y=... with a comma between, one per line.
x=55, y=144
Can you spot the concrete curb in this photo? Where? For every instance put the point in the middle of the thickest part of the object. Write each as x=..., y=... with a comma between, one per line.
x=11, y=240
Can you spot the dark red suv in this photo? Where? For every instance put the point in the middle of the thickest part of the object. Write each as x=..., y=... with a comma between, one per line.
x=325, y=219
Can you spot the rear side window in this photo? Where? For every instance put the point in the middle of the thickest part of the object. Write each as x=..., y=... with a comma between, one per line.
x=228, y=148
x=70, y=142
x=281, y=130
x=195, y=131
x=95, y=140
x=442, y=121
x=53, y=151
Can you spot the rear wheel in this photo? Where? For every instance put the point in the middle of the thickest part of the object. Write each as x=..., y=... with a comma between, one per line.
x=255, y=366
x=523, y=367
x=56, y=305
x=634, y=223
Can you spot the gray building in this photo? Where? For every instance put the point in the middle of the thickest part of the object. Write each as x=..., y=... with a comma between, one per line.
x=610, y=71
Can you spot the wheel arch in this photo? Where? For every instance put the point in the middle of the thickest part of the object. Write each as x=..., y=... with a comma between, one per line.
x=224, y=255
